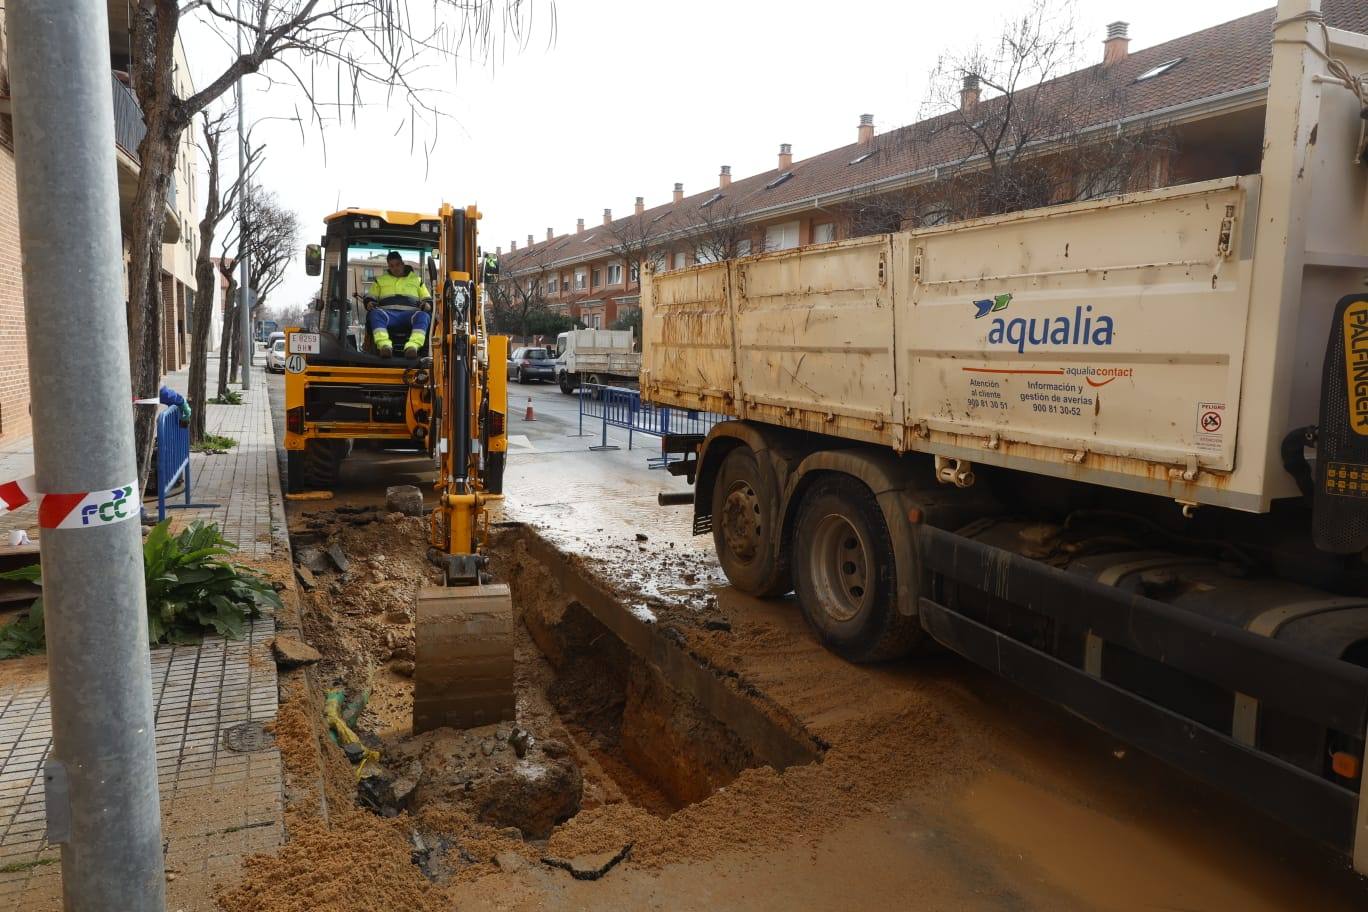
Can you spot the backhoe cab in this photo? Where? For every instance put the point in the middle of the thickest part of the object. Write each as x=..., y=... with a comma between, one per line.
x=338, y=388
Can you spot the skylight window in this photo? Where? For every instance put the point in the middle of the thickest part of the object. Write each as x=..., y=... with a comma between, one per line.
x=712, y=199
x=659, y=217
x=859, y=158
x=778, y=180
x=1160, y=70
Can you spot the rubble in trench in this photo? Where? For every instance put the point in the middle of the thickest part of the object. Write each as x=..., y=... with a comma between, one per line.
x=605, y=763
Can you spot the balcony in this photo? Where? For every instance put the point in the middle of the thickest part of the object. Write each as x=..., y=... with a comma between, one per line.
x=129, y=131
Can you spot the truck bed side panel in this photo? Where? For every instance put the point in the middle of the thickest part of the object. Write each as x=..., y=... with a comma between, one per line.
x=687, y=334
x=1115, y=328
x=814, y=338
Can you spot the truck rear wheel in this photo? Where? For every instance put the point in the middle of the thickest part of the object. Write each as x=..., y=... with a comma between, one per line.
x=844, y=574
x=745, y=536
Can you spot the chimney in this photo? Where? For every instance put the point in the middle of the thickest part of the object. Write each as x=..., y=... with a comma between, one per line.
x=640, y=205
x=530, y=242
x=969, y=94
x=579, y=226
x=724, y=176
x=865, y=135
x=513, y=245
x=785, y=157
x=1114, y=49
x=498, y=251
x=679, y=193
x=550, y=235
x=607, y=216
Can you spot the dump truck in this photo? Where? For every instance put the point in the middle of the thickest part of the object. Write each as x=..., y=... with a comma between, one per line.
x=597, y=357
x=1115, y=451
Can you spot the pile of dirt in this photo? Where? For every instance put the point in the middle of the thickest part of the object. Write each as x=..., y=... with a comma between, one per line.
x=504, y=776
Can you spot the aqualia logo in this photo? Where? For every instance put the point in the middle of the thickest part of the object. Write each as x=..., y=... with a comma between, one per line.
x=1080, y=328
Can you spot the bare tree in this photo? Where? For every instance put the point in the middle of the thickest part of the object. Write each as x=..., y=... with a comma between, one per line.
x=637, y=240
x=266, y=234
x=273, y=236
x=217, y=204
x=719, y=231
x=334, y=52
x=227, y=337
x=517, y=302
x=1017, y=123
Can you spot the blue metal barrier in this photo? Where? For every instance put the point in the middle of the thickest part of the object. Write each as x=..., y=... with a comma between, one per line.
x=173, y=457
x=623, y=408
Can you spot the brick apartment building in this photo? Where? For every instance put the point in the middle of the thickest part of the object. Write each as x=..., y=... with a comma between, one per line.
x=178, y=256
x=1205, y=91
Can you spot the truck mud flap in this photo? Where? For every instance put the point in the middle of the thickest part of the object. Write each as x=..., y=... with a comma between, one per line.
x=1340, y=502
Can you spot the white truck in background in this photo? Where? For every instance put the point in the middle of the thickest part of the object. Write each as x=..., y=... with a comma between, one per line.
x=596, y=356
x=1114, y=451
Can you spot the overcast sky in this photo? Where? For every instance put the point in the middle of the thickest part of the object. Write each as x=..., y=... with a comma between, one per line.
x=637, y=94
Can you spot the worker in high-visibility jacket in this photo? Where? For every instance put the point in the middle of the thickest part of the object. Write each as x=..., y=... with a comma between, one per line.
x=398, y=279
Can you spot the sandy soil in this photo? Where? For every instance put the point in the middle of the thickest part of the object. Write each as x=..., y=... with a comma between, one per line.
x=939, y=787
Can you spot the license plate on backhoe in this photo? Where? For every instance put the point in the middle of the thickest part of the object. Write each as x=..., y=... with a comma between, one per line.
x=304, y=343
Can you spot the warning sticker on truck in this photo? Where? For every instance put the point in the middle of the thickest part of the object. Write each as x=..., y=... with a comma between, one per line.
x=1210, y=425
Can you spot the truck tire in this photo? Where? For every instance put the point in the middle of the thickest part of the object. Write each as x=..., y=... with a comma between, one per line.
x=844, y=574
x=319, y=465
x=745, y=536
x=567, y=384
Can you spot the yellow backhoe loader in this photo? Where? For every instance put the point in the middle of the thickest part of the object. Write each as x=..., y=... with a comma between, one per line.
x=451, y=401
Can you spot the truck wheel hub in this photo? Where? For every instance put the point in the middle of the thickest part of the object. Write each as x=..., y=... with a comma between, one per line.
x=741, y=521
x=840, y=562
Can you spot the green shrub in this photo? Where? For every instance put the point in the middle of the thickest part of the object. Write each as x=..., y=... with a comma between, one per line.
x=230, y=397
x=213, y=443
x=191, y=591
x=25, y=635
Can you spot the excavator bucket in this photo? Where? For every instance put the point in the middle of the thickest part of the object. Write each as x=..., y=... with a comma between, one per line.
x=464, y=657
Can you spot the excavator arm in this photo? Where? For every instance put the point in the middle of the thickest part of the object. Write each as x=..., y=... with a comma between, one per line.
x=464, y=628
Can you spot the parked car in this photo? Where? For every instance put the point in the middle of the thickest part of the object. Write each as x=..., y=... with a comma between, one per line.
x=531, y=364
x=271, y=339
x=275, y=357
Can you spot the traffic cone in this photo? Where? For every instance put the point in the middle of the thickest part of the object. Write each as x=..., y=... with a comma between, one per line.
x=529, y=416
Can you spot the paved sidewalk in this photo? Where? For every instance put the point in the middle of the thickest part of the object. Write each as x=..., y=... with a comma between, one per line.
x=220, y=801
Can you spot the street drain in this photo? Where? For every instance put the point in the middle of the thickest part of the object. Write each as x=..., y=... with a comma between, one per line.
x=247, y=738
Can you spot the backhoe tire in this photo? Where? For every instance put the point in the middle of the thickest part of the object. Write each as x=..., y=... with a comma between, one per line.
x=844, y=574
x=745, y=529
x=319, y=465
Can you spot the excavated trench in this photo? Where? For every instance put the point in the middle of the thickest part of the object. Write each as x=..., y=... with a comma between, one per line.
x=612, y=709
x=667, y=729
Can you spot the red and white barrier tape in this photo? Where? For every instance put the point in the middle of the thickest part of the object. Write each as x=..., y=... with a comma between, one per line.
x=82, y=510
x=14, y=494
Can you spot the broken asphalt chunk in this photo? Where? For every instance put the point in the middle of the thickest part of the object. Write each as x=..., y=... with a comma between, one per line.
x=338, y=558
x=292, y=653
